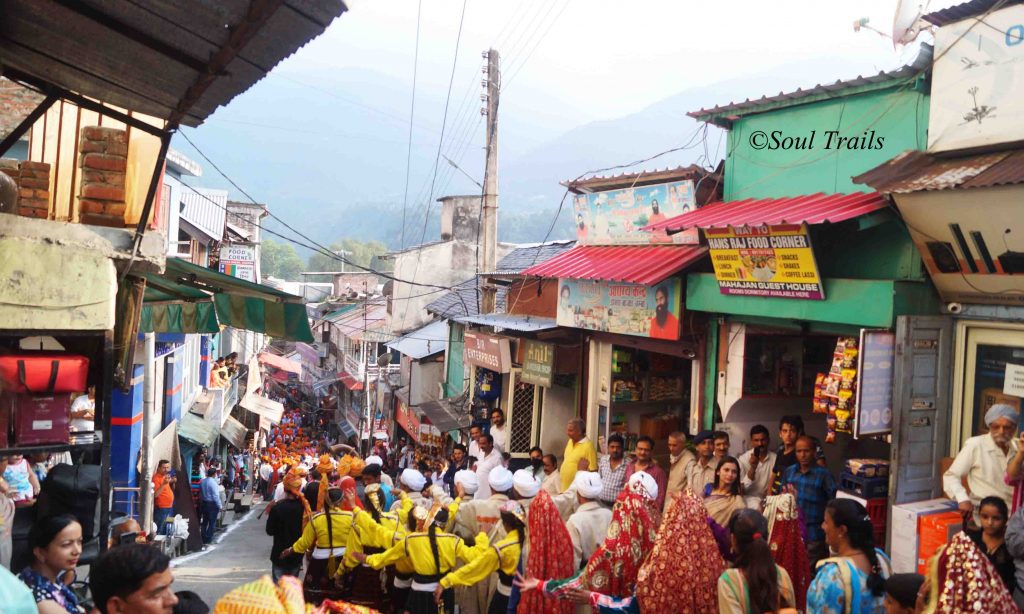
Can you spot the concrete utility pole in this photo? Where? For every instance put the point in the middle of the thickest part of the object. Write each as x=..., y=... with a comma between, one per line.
x=489, y=232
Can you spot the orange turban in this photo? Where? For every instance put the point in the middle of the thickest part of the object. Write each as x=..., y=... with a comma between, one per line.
x=293, y=484
x=356, y=467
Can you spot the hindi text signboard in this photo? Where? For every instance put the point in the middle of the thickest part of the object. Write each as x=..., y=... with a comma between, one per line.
x=629, y=309
x=775, y=261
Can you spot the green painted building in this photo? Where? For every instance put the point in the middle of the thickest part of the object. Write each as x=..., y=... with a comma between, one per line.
x=814, y=141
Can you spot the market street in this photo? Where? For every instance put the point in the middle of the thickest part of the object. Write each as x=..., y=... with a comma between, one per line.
x=240, y=555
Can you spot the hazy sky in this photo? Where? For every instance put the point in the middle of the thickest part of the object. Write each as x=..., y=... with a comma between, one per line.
x=603, y=58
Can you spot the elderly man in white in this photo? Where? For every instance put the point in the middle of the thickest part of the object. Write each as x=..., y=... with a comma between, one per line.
x=983, y=460
x=588, y=525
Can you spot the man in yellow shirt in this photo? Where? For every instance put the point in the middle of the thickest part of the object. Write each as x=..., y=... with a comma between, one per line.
x=577, y=450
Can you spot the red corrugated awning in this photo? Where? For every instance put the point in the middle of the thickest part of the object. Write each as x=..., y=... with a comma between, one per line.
x=350, y=382
x=813, y=209
x=280, y=362
x=638, y=264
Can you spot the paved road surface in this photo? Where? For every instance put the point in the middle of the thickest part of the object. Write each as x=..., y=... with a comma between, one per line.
x=240, y=556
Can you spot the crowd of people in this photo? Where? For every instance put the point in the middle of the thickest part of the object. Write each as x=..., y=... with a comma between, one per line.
x=402, y=531
x=399, y=530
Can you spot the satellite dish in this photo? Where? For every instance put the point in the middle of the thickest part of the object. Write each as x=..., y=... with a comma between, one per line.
x=907, y=22
x=384, y=359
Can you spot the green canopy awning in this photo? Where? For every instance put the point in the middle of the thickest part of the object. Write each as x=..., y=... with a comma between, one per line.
x=188, y=298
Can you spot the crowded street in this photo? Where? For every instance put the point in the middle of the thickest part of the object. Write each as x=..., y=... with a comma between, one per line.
x=518, y=307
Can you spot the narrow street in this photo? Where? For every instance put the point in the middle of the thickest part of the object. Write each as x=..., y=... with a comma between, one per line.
x=239, y=555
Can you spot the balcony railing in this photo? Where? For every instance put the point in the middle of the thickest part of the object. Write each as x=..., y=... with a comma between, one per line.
x=359, y=371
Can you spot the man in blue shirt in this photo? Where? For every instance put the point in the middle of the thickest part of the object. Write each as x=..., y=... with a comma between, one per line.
x=209, y=489
x=814, y=487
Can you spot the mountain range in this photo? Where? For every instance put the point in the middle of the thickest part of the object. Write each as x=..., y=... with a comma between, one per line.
x=327, y=152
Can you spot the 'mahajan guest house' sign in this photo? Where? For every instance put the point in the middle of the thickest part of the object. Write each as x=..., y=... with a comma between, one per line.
x=775, y=261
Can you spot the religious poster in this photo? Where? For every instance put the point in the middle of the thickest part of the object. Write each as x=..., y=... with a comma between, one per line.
x=617, y=217
x=629, y=309
x=774, y=261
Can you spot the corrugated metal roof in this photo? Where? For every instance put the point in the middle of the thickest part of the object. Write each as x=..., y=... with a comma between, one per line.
x=638, y=264
x=635, y=178
x=812, y=209
x=520, y=323
x=915, y=171
x=724, y=114
x=463, y=299
x=280, y=362
x=349, y=381
x=959, y=12
x=207, y=217
x=163, y=59
x=361, y=325
x=423, y=342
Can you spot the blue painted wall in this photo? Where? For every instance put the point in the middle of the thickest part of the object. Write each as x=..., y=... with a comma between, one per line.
x=126, y=435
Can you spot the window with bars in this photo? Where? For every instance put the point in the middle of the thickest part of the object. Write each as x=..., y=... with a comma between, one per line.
x=524, y=397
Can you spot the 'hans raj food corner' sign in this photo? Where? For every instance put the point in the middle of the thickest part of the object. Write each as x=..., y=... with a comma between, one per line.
x=774, y=261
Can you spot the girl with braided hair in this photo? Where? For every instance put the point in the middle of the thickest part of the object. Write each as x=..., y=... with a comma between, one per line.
x=854, y=579
x=432, y=554
x=755, y=584
x=502, y=557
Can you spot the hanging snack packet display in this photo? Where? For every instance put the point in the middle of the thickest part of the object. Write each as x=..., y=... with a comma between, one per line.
x=836, y=391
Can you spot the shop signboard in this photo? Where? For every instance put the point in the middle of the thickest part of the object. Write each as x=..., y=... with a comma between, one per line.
x=538, y=363
x=628, y=309
x=875, y=366
x=407, y=420
x=238, y=261
x=976, y=94
x=488, y=351
x=774, y=261
x=617, y=217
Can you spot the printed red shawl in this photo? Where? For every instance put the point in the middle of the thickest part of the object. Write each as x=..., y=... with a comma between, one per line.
x=681, y=574
x=550, y=556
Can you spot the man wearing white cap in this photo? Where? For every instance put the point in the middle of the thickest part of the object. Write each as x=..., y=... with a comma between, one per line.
x=645, y=484
x=984, y=460
x=526, y=487
x=412, y=484
x=483, y=516
x=588, y=525
x=384, y=477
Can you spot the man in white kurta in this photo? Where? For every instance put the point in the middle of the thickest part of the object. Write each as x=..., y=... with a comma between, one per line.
x=983, y=461
x=483, y=516
x=588, y=525
x=490, y=458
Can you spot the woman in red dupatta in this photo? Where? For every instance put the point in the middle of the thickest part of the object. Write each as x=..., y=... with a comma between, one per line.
x=681, y=574
x=550, y=556
x=785, y=539
x=962, y=579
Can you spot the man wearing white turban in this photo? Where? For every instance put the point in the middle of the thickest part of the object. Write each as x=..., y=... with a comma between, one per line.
x=412, y=483
x=588, y=525
x=526, y=487
x=643, y=483
x=983, y=461
x=483, y=516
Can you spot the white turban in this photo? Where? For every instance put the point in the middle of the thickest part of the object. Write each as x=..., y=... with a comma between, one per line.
x=525, y=483
x=1001, y=410
x=414, y=480
x=500, y=479
x=468, y=480
x=374, y=460
x=643, y=483
x=588, y=484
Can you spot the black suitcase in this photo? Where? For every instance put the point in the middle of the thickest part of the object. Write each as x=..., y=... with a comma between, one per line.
x=75, y=490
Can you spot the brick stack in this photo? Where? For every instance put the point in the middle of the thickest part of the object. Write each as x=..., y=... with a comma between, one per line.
x=103, y=158
x=33, y=179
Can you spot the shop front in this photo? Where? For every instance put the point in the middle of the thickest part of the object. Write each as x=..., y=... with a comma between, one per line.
x=974, y=261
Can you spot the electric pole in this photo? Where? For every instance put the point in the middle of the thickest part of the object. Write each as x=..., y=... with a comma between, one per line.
x=489, y=202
